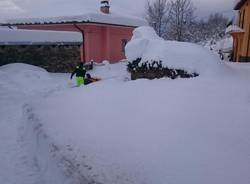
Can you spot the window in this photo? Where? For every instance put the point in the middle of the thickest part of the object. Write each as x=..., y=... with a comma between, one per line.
x=124, y=43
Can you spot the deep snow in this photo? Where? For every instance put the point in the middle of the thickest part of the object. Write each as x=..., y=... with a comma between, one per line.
x=163, y=131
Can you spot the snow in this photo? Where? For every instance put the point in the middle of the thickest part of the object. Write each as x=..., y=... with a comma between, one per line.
x=161, y=131
x=234, y=28
x=87, y=17
x=15, y=36
x=225, y=45
x=20, y=83
x=147, y=45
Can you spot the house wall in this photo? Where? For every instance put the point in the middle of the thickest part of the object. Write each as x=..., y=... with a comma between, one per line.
x=101, y=42
x=243, y=41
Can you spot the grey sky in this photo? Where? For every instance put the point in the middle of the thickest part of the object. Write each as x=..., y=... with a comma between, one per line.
x=44, y=8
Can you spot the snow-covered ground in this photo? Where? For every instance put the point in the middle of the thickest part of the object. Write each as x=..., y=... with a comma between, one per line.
x=120, y=131
x=114, y=131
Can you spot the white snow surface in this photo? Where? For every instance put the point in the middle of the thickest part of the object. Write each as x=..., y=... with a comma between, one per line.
x=91, y=16
x=233, y=29
x=17, y=36
x=225, y=45
x=161, y=131
x=147, y=45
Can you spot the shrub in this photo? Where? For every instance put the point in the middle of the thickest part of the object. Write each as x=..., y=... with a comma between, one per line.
x=155, y=70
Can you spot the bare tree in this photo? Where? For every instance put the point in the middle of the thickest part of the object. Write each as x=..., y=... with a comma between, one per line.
x=181, y=18
x=157, y=14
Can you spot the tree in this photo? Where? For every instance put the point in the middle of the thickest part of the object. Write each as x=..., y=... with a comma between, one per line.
x=157, y=15
x=210, y=30
x=217, y=24
x=181, y=16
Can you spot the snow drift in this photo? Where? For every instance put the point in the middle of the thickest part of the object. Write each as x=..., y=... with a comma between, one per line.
x=147, y=45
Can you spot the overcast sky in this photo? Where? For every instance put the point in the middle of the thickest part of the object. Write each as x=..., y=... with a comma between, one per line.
x=46, y=8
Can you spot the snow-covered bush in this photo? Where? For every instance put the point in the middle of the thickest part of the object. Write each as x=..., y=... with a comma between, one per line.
x=147, y=50
x=155, y=70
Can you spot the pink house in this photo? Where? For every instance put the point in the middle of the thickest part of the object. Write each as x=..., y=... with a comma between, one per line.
x=104, y=33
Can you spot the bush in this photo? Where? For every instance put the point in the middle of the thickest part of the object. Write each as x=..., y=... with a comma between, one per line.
x=155, y=70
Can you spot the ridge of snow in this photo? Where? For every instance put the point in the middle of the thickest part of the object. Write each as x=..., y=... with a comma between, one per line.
x=15, y=36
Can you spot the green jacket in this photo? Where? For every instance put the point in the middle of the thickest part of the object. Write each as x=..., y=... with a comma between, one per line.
x=79, y=72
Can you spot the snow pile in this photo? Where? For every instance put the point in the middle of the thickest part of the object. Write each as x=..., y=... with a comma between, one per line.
x=88, y=17
x=147, y=45
x=25, y=78
x=16, y=36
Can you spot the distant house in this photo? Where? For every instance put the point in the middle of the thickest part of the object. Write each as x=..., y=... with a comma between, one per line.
x=104, y=33
x=241, y=32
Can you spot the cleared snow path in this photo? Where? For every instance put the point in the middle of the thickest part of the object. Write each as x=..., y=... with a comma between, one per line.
x=18, y=85
x=16, y=165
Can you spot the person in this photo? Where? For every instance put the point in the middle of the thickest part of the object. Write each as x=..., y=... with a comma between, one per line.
x=89, y=79
x=80, y=72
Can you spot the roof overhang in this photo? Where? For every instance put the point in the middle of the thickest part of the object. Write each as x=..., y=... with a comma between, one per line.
x=234, y=29
x=239, y=4
x=69, y=22
x=114, y=19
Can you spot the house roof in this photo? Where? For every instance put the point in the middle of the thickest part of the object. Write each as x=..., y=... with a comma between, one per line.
x=12, y=36
x=239, y=4
x=90, y=17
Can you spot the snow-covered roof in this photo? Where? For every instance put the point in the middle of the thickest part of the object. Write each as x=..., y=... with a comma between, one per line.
x=15, y=37
x=234, y=29
x=91, y=17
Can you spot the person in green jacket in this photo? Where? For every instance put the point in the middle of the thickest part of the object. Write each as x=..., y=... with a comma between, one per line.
x=80, y=72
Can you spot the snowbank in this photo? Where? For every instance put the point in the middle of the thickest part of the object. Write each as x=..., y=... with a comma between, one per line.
x=91, y=16
x=147, y=45
x=16, y=36
x=27, y=79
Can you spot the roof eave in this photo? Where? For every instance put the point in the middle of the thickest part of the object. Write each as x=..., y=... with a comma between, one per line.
x=239, y=5
x=70, y=22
